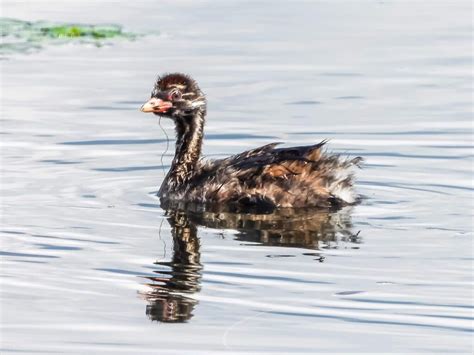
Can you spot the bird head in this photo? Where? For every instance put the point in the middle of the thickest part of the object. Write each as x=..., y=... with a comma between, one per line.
x=175, y=96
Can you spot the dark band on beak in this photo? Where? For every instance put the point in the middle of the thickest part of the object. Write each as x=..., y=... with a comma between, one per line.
x=156, y=105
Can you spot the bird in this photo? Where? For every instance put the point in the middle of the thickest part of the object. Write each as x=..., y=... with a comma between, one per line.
x=261, y=179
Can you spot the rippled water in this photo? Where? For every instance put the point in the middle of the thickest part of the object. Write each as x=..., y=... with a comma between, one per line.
x=90, y=263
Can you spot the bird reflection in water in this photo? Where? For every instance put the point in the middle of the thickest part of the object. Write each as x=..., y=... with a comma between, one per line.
x=170, y=297
x=167, y=300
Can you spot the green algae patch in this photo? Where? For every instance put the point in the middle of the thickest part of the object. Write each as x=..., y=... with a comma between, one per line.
x=74, y=31
x=64, y=31
x=24, y=36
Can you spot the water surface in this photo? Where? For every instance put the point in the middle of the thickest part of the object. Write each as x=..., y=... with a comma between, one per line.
x=91, y=263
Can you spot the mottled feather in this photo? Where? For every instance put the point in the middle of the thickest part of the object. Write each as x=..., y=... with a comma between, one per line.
x=283, y=177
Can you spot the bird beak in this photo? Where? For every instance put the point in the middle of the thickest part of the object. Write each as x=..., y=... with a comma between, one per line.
x=156, y=105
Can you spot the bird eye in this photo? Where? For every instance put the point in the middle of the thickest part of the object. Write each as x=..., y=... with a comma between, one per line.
x=174, y=95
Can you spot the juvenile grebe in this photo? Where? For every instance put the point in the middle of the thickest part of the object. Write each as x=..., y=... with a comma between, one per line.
x=262, y=178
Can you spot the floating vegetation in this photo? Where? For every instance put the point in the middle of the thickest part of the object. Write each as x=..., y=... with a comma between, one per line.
x=23, y=36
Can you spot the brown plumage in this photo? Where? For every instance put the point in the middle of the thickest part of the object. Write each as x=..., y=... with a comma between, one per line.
x=264, y=178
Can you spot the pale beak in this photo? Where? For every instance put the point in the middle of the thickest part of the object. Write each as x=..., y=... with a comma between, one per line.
x=156, y=105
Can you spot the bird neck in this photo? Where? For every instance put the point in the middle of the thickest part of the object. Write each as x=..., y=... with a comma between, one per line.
x=189, y=132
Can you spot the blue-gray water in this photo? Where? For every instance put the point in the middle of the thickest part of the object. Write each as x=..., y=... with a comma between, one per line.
x=83, y=236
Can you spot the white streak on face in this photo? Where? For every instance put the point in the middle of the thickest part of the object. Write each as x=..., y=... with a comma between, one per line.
x=196, y=104
x=177, y=86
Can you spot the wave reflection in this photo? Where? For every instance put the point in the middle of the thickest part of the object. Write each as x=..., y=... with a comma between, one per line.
x=170, y=299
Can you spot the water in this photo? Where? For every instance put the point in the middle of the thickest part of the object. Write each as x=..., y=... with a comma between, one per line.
x=26, y=37
x=90, y=263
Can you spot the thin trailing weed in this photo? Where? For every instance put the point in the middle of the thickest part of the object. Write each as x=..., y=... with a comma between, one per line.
x=167, y=146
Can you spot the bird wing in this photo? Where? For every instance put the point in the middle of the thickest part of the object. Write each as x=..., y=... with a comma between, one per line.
x=266, y=160
x=295, y=176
